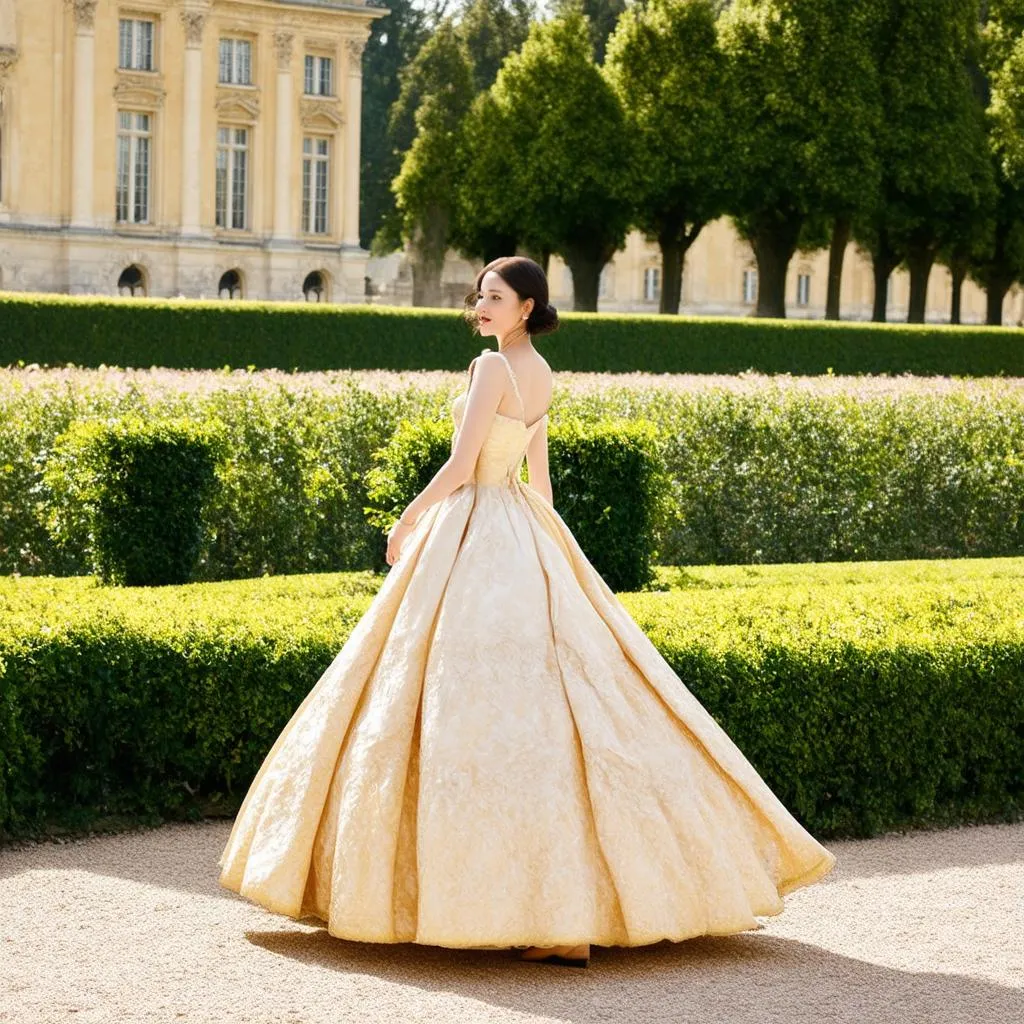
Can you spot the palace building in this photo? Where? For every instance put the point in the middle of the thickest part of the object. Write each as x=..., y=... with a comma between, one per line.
x=199, y=148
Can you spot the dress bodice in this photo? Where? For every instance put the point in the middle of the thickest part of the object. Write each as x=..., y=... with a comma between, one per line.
x=504, y=448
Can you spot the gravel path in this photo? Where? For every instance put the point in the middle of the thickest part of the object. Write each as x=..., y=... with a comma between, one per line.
x=918, y=927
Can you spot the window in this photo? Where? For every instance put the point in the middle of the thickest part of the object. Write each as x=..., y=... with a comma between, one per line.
x=749, y=285
x=313, y=287
x=230, y=286
x=318, y=76
x=134, y=138
x=652, y=283
x=232, y=177
x=235, y=62
x=131, y=281
x=316, y=173
x=803, y=289
x=135, y=51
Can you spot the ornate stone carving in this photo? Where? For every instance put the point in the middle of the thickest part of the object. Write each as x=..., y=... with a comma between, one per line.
x=242, y=104
x=355, y=53
x=84, y=12
x=284, y=44
x=193, y=21
x=139, y=90
x=323, y=113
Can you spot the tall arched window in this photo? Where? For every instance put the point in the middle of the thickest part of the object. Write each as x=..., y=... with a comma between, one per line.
x=315, y=287
x=230, y=286
x=132, y=281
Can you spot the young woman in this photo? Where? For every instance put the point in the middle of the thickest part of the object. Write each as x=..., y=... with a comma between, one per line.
x=498, y=756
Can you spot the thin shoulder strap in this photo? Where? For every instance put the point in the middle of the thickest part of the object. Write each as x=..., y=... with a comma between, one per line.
x=515, y=383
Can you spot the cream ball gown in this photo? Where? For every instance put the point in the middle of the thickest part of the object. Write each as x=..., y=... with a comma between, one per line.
x=498, y=756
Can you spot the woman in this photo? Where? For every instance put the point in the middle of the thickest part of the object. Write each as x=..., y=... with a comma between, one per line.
x=498, y=757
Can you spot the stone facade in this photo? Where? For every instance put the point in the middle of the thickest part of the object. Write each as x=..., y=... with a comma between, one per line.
x=182, y=147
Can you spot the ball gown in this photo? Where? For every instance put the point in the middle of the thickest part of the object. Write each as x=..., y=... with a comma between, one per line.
x=498, y=756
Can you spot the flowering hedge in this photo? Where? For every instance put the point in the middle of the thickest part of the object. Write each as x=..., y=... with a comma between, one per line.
x=763, y=469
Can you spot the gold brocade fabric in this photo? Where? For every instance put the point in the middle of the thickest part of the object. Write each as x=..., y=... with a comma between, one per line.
x=498, y=756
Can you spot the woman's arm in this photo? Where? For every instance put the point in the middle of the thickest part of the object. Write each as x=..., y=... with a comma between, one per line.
x=537, y=462
x=486, y=386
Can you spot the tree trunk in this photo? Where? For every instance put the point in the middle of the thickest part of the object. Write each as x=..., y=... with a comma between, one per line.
x=773, y=247
x=539, y=256
x=958, y=270
x=675, y=243
x=426, y=282
x=430, y=245
x=499, y=245
x=881, y=271
x=995, y=294
x=837, y=251
x=884, y=260
x=586, y=267
x=673, y=257
x=920, y=259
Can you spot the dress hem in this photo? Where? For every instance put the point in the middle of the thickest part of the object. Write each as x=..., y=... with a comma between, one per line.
x=807, y=878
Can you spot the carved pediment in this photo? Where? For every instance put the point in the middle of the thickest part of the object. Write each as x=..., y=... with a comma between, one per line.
x=139, y=90
x=323, y=113
x=238, y=104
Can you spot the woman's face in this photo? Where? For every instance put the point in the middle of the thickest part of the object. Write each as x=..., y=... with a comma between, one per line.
x=499, y=309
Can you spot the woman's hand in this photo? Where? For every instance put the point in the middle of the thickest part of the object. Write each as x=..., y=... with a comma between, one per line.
x=396, y=535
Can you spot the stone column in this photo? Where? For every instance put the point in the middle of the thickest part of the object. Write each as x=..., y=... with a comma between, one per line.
x=193, y=18
x=283, y=150
x=353, y=108
x=83, y=112
x=8, y=59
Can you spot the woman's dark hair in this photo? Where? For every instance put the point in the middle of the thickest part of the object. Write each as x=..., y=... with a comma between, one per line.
x=527, y=279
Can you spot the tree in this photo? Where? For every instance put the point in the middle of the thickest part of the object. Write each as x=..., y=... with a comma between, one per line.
x=428, y=123
x=491, y=30
x=489, y=221
x=482, y=228
x=664, y=63
x=393, y=41
x=567, y=179
x=602, y=17
x=805, y=108
x=936, y=173
x=1000, y=262
x=426, y=185
x=1004, y=59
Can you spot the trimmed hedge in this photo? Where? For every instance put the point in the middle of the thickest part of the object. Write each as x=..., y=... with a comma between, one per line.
x=870, y=696
x=140, y=488
x=611, y=487
x=94, y=331
x=782, y=472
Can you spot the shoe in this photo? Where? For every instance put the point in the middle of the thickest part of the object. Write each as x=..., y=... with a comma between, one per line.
x=556, y=958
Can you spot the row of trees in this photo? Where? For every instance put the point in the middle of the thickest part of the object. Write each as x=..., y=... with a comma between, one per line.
x=898, y=124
